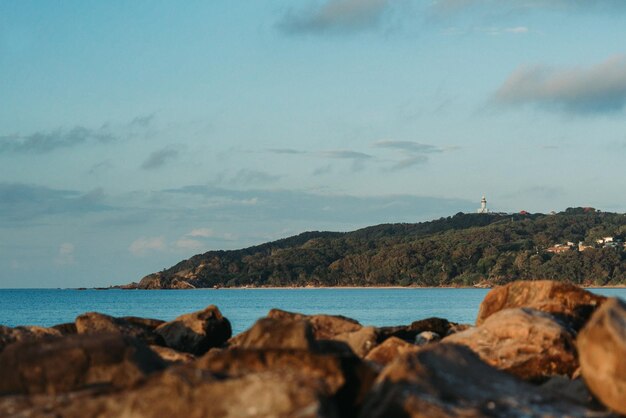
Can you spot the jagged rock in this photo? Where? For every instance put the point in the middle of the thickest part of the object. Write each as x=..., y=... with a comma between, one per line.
x=361, y=341
x=449, y=380
x=190, y=393
x=196, y=332
x=427, y=337
x=10, y=335
x=525, y=342
x=409, y=332
x=181, y=284
x=141, y=328
x=151, y=282
x=74, y=362
x=602, y=350
x=170, y=355
x=564, y=300
x=273, y=333
x=68, y=328
x=389, y=350
x=345, y=378
x=325, y=327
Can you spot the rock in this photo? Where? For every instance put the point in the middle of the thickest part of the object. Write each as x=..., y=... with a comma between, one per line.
x=273, y=333
x=325, y=327
x=141, y=328
x=449, y=380
x=181, y=284
x=172, y=356
x=346, y=379
x=196, y=332
x=573, y=390
x=564, y=300
x=602, y=351
x=409, y=332
x=10, y=335
x=68, y=328
x=427, y=337
x=189, y=393
x=389, y=350
x=151, y=282
x=361, y=341
x=528, y=343
x=74, y=362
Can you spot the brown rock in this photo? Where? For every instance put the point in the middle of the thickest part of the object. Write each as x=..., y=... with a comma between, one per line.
x=325, y=327
x=10, y=335
x=427, y=337
x=68, y=328
x=448, y=380
x=525, y=342
x=602, y=350
x=361, y=341
x=560, y=299
x=409, y=332
x=141, y=328
x=389, y=350
x=272, y=333
x=189, y=393
x=74, y=362
x=346, y=379
x=172, y=356
x=196, y=332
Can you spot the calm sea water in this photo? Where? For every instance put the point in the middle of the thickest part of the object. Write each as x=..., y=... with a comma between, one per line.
x=242, y=307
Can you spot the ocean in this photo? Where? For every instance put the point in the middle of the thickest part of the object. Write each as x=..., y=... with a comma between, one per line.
x=370, y=306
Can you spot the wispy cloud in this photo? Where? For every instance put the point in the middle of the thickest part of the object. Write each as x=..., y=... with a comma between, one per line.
x=411, y=153
x=289, y=151
x=144, y=245
x=594, y=90
x=44, y=142
x=335, y=16
x=65, y=255
x=357, y=158
x=159, y=158
x=446, y=7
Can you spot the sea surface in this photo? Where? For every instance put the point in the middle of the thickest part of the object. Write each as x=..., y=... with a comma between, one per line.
x=379, y=307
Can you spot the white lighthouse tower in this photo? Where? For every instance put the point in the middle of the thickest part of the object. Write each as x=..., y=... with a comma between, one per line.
x=483, y=206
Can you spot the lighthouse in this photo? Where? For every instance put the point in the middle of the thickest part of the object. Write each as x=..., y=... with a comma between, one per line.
x=483, y=206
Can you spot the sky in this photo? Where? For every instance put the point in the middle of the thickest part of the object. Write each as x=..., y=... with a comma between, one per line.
x=135, y=134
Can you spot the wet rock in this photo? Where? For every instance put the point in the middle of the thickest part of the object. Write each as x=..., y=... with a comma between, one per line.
x=273, y=333
x=189, y=393
x=525, y=342
x=10, y=335
x=172, y=356
x=196, y=332
x=389, y=350
x=74, y=362
x=427, y=337
x=602, y=350
x=325, y=327
x=361, y=341
x=141, y=328
x=564, y=300
x=346, y=379
x=449, y=380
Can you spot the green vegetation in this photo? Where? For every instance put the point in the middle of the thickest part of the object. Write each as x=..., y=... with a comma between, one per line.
x=461, y=250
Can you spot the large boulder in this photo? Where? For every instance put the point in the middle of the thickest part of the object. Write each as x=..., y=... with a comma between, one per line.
x=361, y=341
x=273, y=333
x=449, y=380
x=10, y=335
x=528, y=343
x=564, y=300
x=196, y=332
x=602, y=351
x=141, y=328
x=346, y=379
x=191, y=393
x=408, y=333
x=74, y=362
x=325, y=327
x=389, y=350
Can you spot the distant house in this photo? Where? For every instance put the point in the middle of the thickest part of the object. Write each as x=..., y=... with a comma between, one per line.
x=604, y=240
x=560, y=248
x=523, y=212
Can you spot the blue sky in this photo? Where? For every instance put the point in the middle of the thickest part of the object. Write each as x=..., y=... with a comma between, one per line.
x=134, y=134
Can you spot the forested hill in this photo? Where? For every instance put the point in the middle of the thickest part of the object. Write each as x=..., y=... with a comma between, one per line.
x=461, y=250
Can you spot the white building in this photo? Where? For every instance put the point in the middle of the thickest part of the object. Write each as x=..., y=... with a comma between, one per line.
x=483, y=206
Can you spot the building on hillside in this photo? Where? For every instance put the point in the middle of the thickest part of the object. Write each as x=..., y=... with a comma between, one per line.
x=483, y=206
x=560, y=248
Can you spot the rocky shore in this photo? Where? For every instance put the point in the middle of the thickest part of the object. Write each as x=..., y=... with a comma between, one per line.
x=538, y=349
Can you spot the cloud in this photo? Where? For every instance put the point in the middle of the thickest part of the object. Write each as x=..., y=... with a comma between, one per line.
x=336, y=16
x=290, y=151
x=594, y=90
x=189, y=244
x=447, y=7
x=409, y=146
x=159, y=158
x=142, y=246
x=201, y=232
x=24, y=202
x=142, y=121
x=45, y=142
x=346, y=155
x=247, y=177
x=65, y=255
